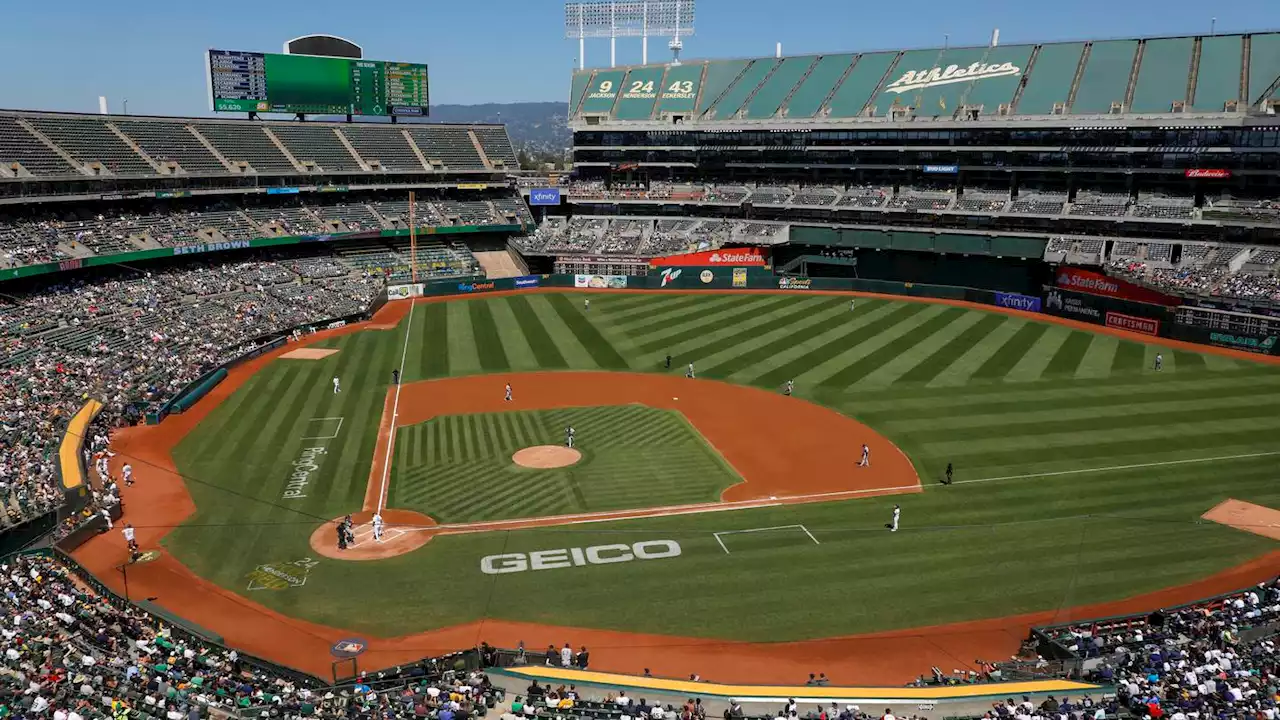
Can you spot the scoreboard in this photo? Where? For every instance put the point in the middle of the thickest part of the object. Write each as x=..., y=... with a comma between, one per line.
x=273, y=83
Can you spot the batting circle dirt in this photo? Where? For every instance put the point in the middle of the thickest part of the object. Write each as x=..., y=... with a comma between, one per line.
x=545, y=457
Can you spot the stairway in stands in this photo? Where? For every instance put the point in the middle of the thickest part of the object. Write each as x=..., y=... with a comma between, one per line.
x=500, y=264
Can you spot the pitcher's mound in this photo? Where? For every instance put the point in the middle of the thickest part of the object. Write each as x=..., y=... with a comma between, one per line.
x=543, y=457
x=308, y=354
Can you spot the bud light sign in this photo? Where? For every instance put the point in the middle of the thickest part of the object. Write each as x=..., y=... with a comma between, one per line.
x=1018, y=302
x=544, y=196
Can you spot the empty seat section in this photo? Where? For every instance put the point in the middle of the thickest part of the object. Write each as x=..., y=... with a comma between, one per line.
x=89, y=140
x=171, y=142
x=497, y=145
x=779, y=85
x=450, y=145
x=580, y=79
x=680, y=89
x=1050, y=79
x=1106, y=77
x=1163, y=75
x=860, y=84
x=1218, y=81
x=738, y=93
x=813, y=90
x=318, y=144
x=720, y=73
x=18, y=145
x=246, y=143
x=639, y=93
x=603, y=91
x=384, y=144
x=1264, y=64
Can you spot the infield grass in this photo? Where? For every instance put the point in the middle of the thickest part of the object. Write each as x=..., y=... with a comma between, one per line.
x=1080, y=471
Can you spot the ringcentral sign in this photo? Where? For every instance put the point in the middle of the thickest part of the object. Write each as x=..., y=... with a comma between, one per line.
x=577, y=557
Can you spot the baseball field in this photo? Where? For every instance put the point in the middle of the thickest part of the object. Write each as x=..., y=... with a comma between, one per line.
x=718, y=508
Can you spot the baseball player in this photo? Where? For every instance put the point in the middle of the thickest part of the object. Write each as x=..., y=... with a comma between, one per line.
x=1159, y=362
x=130, y=538
x=507, y=397
x=572, y=435
x=668, y=362
x=897, y=513
x=689, y=373
x=949, y=471
x=586, y=304
x=866, y=456
x=851, y=304
x=128, y=475
x=791, y=385
x=337, y=386
x=395, y=376
x=377, y=528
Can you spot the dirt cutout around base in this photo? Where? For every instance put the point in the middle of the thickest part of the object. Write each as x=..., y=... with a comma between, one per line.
x=546, y=457
x=1246, y=516
x=403, y=531
x=308, y=354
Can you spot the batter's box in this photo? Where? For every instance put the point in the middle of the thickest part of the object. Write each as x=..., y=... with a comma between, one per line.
x=1246, y=516
x=325, y=428
x=765, y=537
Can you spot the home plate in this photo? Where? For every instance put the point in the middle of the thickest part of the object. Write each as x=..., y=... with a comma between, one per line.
x=675, y=398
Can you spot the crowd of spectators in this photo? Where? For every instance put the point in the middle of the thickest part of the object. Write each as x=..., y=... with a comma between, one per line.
x=1213, y=280
x=132, y=339
x=71, y=653
x=643, y=237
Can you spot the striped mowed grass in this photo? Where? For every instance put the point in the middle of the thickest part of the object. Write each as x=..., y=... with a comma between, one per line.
x=457, y=468
x=1081, y=472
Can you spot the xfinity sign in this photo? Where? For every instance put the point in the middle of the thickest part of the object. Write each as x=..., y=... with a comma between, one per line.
x=578, y=557
x=544, y=196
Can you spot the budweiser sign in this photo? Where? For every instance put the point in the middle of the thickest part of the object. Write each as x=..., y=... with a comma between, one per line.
x=921, y=79
x=752, y=256
x=1215, y=173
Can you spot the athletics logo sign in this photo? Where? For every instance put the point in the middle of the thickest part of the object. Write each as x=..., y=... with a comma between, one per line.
x=921, y=79
x=281, y=575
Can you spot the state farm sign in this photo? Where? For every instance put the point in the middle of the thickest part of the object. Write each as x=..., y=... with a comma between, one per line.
x=1073, y=278
x=750, y=256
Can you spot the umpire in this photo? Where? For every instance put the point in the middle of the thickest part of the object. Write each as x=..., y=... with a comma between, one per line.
x=395, y=377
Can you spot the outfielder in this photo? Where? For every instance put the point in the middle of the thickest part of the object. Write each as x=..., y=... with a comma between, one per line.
x=851, y=304
x=689, y=373
x=337, y=386
x=866, y=456
x=897, y=513
x=791, y=385
x=377, y=528
x=586, y=304
x=1159, y=362
x=507, y=397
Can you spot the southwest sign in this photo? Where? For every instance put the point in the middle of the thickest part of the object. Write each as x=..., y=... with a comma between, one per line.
x=921, y=79
x=750, y=256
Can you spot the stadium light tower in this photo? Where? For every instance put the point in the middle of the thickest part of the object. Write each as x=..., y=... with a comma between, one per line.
x=628, y=18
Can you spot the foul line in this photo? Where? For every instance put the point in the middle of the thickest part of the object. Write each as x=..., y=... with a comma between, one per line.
x=701, y=508
x=395, y=412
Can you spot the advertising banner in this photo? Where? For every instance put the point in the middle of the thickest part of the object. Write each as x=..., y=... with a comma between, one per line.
x=794, y=283
x=611, y=282
x=1017, y=302
x=1079, y=306
x=1214, y=173
x=528, y=281
x=739, y=277
x=470, y=287
x=942, y=169
x=544, y=196
x=1072, y=278
x=751, y=256
x=1143, y=326
x=1247, y=342
x=403, y=292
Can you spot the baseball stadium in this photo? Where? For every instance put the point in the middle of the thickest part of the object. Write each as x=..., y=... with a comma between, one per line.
x=919, y=378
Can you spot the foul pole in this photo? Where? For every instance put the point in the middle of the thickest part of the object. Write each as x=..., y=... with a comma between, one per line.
x=413, y=240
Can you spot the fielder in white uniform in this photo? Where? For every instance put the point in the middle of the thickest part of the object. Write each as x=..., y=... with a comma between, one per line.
x=129, y=537
x=337, y=386
x=689, y=373
x=897, y=512
x=586, y=304
x=507, y=397
x=866, y=456
x=851, y=304
x=377, y=528
x=128, y=474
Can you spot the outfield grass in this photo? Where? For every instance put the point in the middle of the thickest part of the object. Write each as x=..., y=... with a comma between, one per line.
x=1017, y=405
x=458, y=468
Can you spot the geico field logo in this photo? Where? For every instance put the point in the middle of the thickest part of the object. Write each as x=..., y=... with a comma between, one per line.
x=577, y=557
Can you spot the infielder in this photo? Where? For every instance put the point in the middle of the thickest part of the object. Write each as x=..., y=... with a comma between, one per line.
x=568, y=437
x=1159, y=362
x=689, y=373
x=128, y=475
x=866, y=456
x=337, y=386
x=377, y=528
x=791, y=385
x=897, y=513
x=130, y=538
x=507, y=397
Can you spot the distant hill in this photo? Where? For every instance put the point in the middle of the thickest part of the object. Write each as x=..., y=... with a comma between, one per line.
x=537, y=127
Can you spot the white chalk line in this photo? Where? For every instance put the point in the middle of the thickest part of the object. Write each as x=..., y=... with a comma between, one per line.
x=325, y=437
x=801, y=528
x=395, y=412
x=704, y=508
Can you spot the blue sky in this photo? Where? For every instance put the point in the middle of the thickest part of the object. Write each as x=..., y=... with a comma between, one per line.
x=62, y=55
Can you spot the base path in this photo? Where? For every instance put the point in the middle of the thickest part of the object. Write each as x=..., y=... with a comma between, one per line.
x=161, y=501
x=1241, y=515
